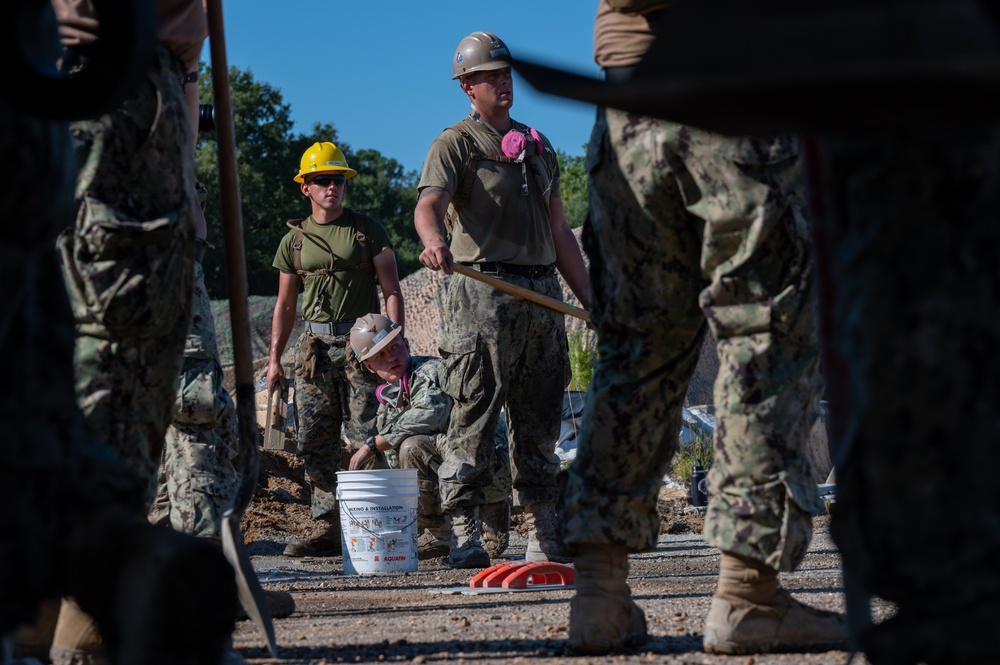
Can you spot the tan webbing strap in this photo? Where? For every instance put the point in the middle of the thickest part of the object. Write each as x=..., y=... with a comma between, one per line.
x=366, y=264
x=363, y=248
x=326, y=273
x=464, y=190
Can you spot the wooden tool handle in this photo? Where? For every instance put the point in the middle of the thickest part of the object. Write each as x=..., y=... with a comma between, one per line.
x=527, y=294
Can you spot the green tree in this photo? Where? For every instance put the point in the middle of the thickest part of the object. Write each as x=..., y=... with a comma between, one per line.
x=265, y=157
x=573, y=182
x=384, y=190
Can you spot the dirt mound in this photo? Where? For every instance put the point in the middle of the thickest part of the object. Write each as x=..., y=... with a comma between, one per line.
x=280, y=505
x=280, y=508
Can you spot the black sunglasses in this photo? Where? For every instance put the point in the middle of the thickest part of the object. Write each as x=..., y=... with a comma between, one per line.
x=327, y=180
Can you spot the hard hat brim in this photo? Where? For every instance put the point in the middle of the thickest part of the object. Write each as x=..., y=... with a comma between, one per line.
x=347, y=172
x=485, y=67
x=382, y=344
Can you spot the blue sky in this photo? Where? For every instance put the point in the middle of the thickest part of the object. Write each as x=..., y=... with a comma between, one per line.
x=380, y=72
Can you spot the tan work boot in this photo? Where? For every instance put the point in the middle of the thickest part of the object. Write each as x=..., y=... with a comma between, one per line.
x=750, y=614
x=466, y=549
x=543, y=538
x=77, y=640
x=435, y=539
x=325, y=542
x=603, y=618
x=494, y=525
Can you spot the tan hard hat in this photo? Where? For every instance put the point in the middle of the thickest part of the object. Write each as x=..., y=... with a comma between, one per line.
x=479, y=52
x=371, y=333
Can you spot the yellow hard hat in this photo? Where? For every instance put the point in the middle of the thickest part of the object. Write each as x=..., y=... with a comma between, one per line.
x=323, y=158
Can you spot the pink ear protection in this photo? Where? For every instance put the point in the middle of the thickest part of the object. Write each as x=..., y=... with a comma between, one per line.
x=389, y=393
x=515, y=143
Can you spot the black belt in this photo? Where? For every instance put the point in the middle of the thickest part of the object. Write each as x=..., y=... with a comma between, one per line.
x=531, y=272
x=329, y=328
x=618, y=74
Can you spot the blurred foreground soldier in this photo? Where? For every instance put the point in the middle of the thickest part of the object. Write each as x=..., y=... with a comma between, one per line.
x=73, y=515
x=911, y=217
x=902, y=152
x=688, y=231
x=413, y=418
x=491, y=183
x=340, y=259
x=128, y=262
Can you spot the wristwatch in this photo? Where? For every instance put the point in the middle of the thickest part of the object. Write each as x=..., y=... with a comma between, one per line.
x=370, y=442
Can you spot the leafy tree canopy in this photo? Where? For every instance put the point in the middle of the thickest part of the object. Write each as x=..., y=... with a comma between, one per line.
x=267, y=157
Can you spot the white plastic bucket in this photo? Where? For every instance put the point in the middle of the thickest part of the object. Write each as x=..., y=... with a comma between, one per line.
x=378, y=520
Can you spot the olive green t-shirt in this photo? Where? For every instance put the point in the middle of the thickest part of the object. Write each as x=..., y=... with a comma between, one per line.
x=350, y=293
x=500, y=222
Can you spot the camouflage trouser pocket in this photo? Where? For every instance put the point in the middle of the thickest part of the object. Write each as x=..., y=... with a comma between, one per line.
x=462, y=377
x=199, y=399
x=305, y=359
x=135, y=276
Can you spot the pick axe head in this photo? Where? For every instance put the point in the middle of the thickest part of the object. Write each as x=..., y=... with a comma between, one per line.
x=250, y=592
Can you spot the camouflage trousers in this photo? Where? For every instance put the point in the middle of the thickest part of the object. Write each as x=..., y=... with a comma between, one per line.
x=502, y=352
x=914, y=321
x=423, y=453
x=56, y=474
x=334, y=399
x=690, y=230
x=128, y=264
x=197, y=480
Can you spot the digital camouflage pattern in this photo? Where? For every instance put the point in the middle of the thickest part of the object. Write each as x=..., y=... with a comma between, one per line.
x=423, y=424
x=502, y=351
x=689, y=232
x=911, y=221
x=426, y=409
x=128, y=264
x=198, y=480
x=334, y=395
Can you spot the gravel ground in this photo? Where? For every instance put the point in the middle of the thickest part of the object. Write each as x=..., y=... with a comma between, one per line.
x=422, y=617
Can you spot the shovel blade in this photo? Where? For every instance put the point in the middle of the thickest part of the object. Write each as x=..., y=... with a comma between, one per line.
x=274, y=430
x=250, y=592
